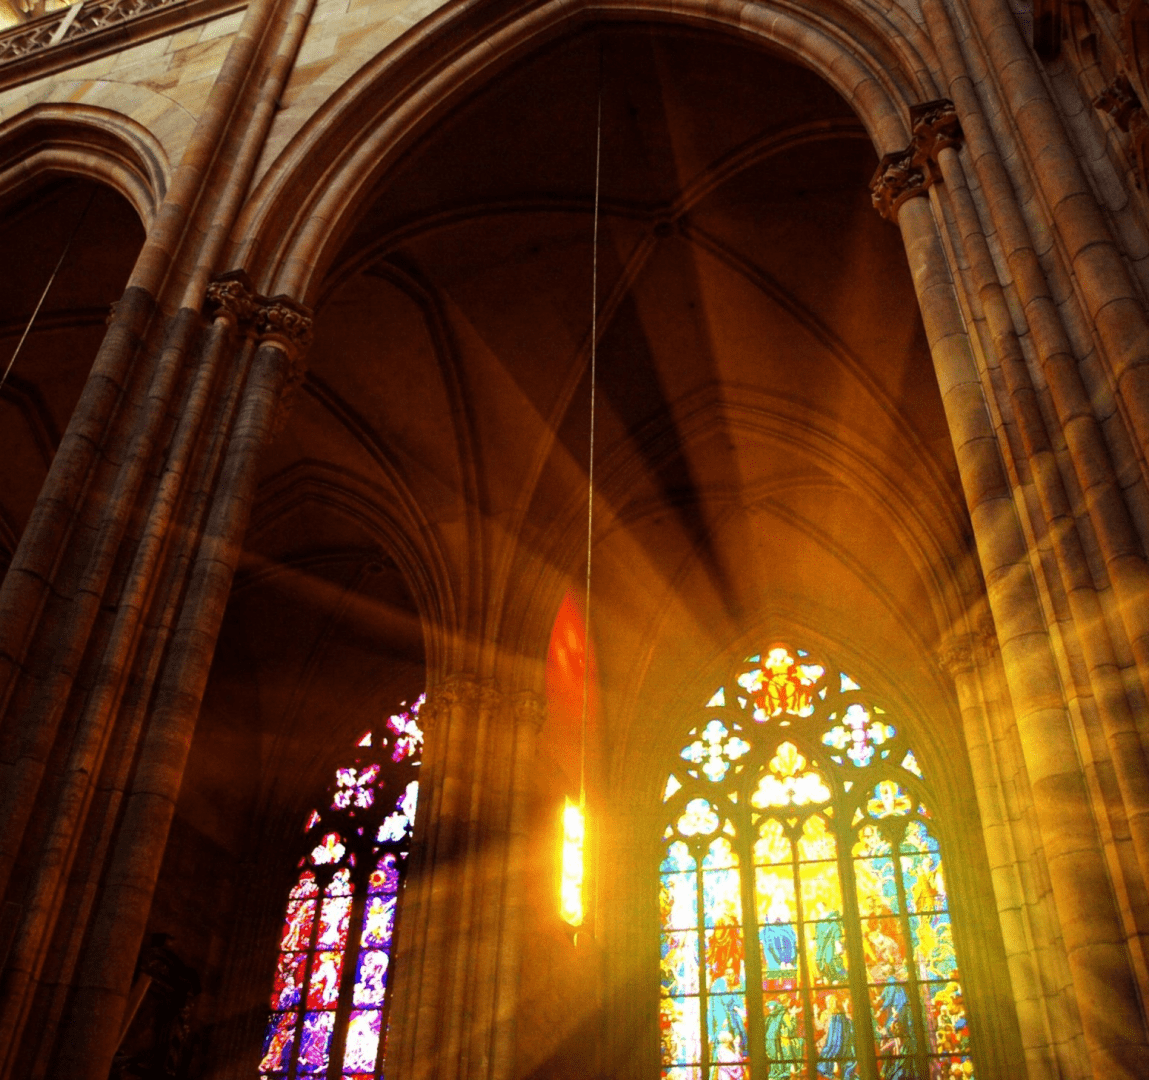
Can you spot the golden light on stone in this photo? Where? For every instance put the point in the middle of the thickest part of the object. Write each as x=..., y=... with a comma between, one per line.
x=572, y=864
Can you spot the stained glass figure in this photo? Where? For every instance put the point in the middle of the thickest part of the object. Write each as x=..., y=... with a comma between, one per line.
x=805, y=922
x=339, y=926
x=782, y=684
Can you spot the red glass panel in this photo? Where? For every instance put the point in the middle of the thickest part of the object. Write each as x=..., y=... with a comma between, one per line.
x=288, y=983
x=885, y=951
x=277, y=1042
x=333, y=923
x=323, y=989
x=297, y=926
x=725, y=969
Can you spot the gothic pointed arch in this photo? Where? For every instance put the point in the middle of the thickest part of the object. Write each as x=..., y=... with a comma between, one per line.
x=52, y=140
x=872, y=57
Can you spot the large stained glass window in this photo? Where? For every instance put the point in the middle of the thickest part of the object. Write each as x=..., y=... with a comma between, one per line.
x=805, y=922
x=331, y=994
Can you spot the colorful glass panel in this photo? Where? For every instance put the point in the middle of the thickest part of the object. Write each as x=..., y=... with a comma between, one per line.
x=334, y=956
x=839, y=922
x=362, y=1041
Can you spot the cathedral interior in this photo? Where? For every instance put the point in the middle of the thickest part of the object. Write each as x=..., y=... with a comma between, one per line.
x=486, y=385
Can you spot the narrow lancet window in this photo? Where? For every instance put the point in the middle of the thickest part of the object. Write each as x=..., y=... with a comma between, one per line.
x=332, y=988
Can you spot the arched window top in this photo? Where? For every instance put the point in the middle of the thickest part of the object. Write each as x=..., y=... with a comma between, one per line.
x=826, y=710
x=331, y=995
x=805, y=922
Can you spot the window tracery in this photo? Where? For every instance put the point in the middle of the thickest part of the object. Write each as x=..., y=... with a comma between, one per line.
x=805, y=922
x=331, y=992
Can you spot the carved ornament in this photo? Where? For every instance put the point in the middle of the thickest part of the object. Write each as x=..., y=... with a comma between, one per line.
x=1120, y=100
x=956, y=656
x=276, y=319
x=907, y=173
x=232, y=295
x=962, y=653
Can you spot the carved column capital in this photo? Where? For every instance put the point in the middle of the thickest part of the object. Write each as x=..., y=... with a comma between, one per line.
x=957, y=656
x=1120, y=100
x=489, y=697
x=231, y=296
x=529, y=709
x=907, y=173
x=898, y=178
x=935, y=127
x=455, y=691
x=281, y=319
x=276, y=319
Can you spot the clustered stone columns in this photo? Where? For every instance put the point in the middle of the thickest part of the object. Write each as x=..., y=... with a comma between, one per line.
x=111, y=607
x=99, y=717
x=458, y=960
x=1051, y=719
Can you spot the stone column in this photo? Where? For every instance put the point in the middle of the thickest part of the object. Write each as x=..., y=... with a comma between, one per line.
x=1050, y=1031
x=458, y=948
x=1103, y=979
x=133, y=710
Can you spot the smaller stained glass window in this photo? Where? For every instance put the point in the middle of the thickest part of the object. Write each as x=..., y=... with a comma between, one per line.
x=329, y=997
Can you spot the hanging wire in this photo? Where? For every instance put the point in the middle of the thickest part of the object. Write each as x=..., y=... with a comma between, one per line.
x=590, y=455
x=51, y=280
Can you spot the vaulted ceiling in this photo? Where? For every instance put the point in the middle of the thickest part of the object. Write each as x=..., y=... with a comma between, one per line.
x=770, y=448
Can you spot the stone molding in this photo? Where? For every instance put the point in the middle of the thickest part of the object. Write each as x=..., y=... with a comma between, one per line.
x=53, y=41
x=462, y=691
x=276, y=319
x=906, y=174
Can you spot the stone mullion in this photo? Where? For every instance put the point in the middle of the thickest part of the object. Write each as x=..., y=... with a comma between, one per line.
x=1089, y=451
x=858, y=977
x=121, y=914
x=1099, y=962
x=343, y=1003
x=752, y=958
x=409, y=951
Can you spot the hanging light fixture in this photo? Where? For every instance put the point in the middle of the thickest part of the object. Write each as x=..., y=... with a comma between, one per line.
x=573, y=843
